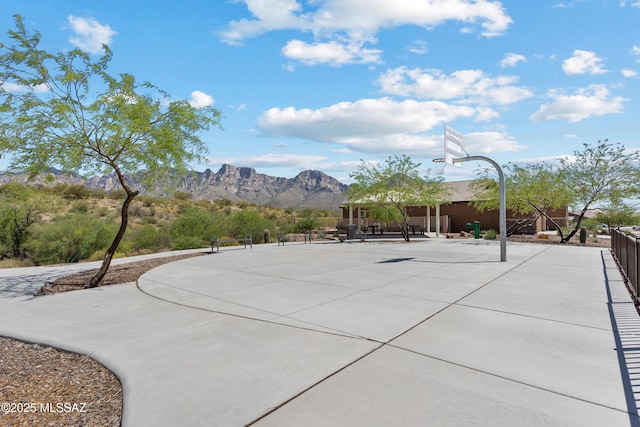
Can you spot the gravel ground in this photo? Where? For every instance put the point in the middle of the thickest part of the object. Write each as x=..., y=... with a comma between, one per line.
x=44, y=386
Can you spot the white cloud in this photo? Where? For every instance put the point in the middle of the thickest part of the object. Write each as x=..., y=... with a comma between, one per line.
x=512, y=59
x=567, y=4
x=592, y=101
x=342, y=151
x=627, y=72
x=465, y=86
x=340, y=28
x=10, y=87
x=271, y=15
x=200, y=99
x=270, y=160
x=344, y=121
x=491, y=142
x=90, y=35
x=332, y=53
x=368, y=17
x=583, y=62
x=418, y=47
x=635, y=50
x=369, y=125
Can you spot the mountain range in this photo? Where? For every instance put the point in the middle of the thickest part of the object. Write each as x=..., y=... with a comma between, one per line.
x=308, y=189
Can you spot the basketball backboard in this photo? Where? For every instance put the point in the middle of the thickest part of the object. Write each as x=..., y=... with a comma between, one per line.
x=453, y=146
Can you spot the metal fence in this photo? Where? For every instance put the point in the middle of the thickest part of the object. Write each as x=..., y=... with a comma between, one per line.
x=626, y=250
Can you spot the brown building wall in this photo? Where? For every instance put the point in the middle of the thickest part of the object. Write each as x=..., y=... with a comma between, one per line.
x=461, y=213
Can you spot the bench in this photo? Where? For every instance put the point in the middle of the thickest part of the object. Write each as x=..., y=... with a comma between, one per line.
x=283, y=238
x=394, y=228
x=215, y=242
x=414, y=227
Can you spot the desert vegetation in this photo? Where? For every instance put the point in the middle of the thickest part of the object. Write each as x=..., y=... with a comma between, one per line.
x=61, y=223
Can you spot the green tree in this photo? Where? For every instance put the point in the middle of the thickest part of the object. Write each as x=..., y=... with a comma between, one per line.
x=66, y=110
x=387, y=191
x=600, y=173
x=249, y=222
x=194, y=229
x=20, y=209
x=306, y=224
x=616, y=213
x=532, y=191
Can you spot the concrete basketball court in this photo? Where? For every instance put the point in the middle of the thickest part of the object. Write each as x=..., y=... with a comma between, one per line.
x=436, y=332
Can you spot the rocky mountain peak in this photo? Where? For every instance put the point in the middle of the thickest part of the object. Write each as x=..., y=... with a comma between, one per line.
x=308, y=189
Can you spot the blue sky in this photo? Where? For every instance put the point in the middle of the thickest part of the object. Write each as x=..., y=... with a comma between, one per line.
x=322, y=84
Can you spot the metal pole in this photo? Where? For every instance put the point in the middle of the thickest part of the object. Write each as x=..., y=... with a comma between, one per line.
x=503, y=201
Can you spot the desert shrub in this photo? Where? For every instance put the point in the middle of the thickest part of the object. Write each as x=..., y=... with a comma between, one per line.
x=164, y=236
x=247, y=221
x=150, y=220
x=222, y=202
x=287, y=228
x=490, y=234
x=118, y=194
x=21, y=208
x=194, y=228
x=103, y=211
x=81, y=206
x=75, y=192
x=136, y=210
x=143, y=237
x=149, y=201
x=15, y=190
x=71, y=238
x=97, y=193
x=182, y=195
x=306, y=224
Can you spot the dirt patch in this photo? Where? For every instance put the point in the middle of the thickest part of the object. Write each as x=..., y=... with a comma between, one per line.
x=551, y=239
x=117, y=274
x=545, y=239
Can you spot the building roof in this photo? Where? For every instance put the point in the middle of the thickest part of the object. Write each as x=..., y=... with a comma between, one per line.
x=460, y=191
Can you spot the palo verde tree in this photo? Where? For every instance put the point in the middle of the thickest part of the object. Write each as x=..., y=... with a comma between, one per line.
x=388, y=190
x=617, y=212
x=66, y=110
x=600, y=173
x=533, y=190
